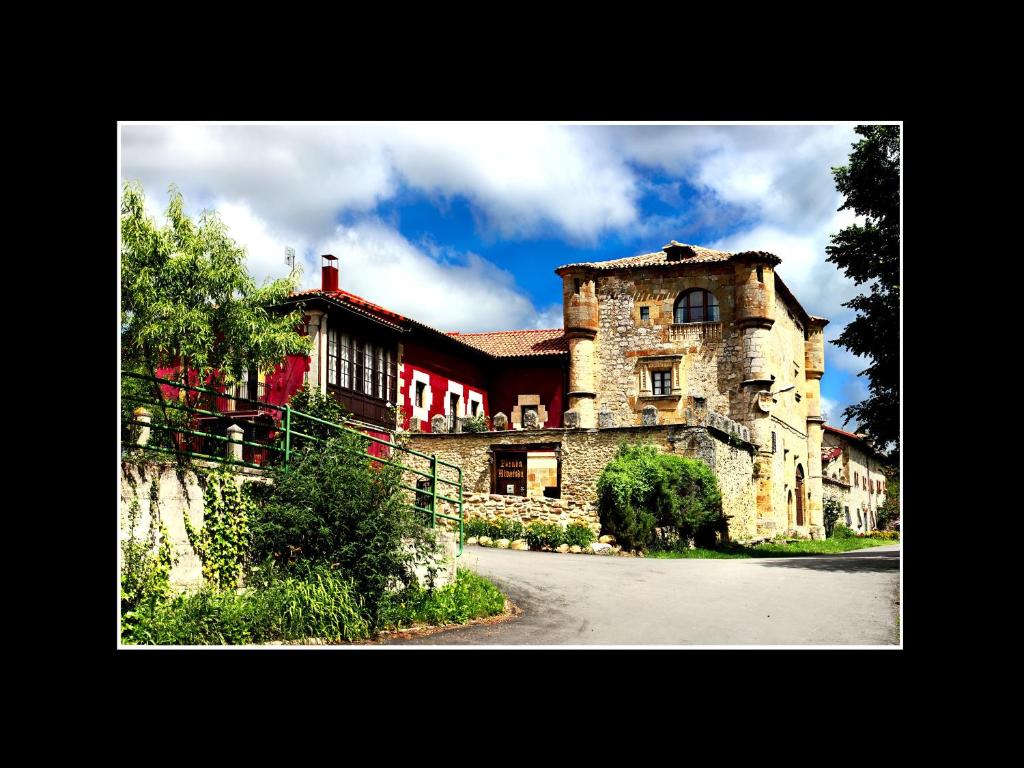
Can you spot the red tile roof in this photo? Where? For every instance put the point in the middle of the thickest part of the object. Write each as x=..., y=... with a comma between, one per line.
x=351, y=298
x=524, y=343
x=830, y=428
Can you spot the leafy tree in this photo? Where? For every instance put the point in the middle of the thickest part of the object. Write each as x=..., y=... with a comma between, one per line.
x=187, y=299
x=869, y=253
x=889, y=512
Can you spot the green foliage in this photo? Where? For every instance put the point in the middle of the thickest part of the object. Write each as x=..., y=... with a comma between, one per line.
x=869, y=253
x=313, y=402
x=580, y=535
x=842, y=531
x=334, y=505
x=540, y=535
x=831, y=512
x=641, y=490
x=474, y=526
x=475, y=424
x=186, y=296
x=313, y=601
x=470, y=597
x=145, y=568
x=224, y=543
x=887, y=516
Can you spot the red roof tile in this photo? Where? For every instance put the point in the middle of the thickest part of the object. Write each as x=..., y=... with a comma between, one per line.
x=351, y=298
x=526, y=343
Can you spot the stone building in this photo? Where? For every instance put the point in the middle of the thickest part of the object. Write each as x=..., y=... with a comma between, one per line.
x=700, y=352
x=689, y=335
x=852, y=473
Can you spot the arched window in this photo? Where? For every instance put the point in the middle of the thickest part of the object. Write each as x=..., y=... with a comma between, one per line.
x=696, y=306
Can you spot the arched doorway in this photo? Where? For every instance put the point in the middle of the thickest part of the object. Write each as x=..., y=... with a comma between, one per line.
x=799, y=495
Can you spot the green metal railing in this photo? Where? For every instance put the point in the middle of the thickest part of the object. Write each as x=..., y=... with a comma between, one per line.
x=280, y=447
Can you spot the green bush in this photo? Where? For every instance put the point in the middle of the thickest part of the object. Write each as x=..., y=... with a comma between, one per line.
x=475, y=424
x=313, y=601
x=470, y=597
x=540, y=535
x=831, y=512
x=641, y=490
x=579, y=535
x=313, y=402
x=510, y=529
x=474, y=526
x=332, y=504
x=842, y=531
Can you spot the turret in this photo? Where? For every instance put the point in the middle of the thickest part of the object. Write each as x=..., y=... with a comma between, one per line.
x=579, y=303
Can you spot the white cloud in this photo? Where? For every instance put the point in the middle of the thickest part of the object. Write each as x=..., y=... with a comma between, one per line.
x=819, y=286
x=522, y=179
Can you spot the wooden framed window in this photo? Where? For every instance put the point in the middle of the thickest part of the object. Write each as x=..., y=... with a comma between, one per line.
x=696, y=306
x=332, y=356
x=645, y=313
x=661, y=382
x=421, y=387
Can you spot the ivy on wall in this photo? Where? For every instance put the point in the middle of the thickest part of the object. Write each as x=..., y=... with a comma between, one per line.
x=223, y=542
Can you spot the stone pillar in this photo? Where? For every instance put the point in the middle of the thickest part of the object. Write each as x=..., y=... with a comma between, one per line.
x=580, y=314
x=318, y=354
x=814, y=366
x=141, y=414
x=234, y=445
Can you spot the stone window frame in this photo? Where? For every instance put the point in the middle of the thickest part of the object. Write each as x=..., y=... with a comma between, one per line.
x=648, y=364
x=706, y=307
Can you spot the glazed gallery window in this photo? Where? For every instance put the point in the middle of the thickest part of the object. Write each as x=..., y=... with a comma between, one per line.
x=696, y=306
x=360, y=365
x=661, y=382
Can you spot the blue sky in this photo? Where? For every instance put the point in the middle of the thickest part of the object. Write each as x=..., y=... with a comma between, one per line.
x=460, y=225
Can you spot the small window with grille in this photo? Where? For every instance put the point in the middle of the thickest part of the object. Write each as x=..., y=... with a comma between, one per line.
x=645, y=313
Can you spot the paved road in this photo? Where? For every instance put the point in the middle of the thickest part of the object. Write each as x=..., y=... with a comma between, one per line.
x=847, y=599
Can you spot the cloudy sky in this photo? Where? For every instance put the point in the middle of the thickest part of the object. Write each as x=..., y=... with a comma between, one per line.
x=461, y=225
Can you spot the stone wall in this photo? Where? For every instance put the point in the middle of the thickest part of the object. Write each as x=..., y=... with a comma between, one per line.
x=710, y=367
x=181, y=493
x=852, y=467
x=584, y=453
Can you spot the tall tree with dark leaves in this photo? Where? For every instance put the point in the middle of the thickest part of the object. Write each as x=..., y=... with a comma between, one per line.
x=870, y=255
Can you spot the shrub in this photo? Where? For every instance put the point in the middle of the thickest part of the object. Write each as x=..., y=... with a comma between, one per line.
x=540, y=535
x=313, y=601
x=842, y=531
x=334, y=505
x=470, y=597
x=884, y=535
x=321, y=405
x=145, y=567
x=641, y=489
x=831, y=512
x=474, y=526
x=475, y=424
x=508, y=529
x=580, y=535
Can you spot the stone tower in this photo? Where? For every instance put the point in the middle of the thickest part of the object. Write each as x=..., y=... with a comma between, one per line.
x=814, y=367
x=579, y=303
x=755, y=316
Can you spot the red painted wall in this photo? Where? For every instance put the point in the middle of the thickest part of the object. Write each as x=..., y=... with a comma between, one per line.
x=513, y=378
x=286, y=379
x=443, y=367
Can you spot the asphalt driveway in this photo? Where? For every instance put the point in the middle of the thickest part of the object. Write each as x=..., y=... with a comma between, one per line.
x=566, y=600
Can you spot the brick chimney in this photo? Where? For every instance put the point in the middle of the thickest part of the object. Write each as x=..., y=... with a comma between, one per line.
x=329, y=270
